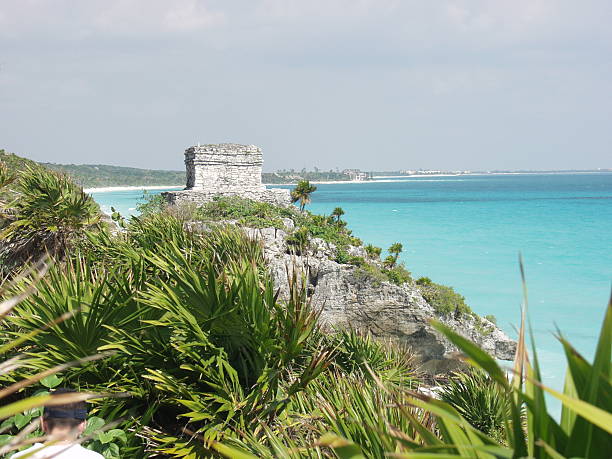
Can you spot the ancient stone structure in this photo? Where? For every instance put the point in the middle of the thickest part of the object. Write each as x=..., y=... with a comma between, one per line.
x=225, y=169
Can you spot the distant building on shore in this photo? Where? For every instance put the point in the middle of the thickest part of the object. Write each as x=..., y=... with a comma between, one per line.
x=432, y=172
x=356, y=174
x=226, y=169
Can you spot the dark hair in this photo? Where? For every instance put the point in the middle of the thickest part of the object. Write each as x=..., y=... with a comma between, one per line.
x=69, y=415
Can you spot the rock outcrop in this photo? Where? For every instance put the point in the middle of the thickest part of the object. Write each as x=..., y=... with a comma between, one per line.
x=384, y=309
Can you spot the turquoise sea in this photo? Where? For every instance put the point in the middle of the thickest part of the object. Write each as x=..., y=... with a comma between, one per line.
x=467, y=231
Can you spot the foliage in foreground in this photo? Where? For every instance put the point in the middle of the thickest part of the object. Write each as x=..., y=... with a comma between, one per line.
x=412, y=425
x=200, y=340
x=19, y=414
x=585, y=428
x=479, y=400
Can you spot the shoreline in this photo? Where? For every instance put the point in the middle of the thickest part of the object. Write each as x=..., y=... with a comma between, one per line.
x=130, y=188
x=378, y=179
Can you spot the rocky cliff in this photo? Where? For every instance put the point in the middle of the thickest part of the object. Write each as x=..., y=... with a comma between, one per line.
x=384, y=309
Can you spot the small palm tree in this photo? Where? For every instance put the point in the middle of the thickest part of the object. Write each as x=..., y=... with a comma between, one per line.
x=373, y=251
x=302, y=193
x=338, y=212
x=394, y=250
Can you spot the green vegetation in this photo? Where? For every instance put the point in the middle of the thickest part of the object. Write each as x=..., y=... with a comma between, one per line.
x=46, y=212
x=100, y=175
x=326, y=228
x=372, y=251
x=395, y=251
x=301, y=193
x=245, y=212
x=10, y=167
x=443, y=299
x=291, y=176
x=16, y=163
x=478, y=398
x=151, y=204
x=491, y=318
x=377, y=274
x=337, y=212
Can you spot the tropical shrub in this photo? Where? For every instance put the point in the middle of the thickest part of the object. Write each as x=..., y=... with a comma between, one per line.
x=359, y=353
x=373, y=251
x=49, y=211
x=151, y=204
x=19, y=414
x=376, y=274
x=298, y=241
x=246, y=212
x=491, y=318
x=370, y=273
x=478, y=399
x=444, y=299
x=423, y=281
x=350, y=400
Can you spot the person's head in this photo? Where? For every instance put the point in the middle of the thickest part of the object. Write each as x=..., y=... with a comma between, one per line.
x=68, y=419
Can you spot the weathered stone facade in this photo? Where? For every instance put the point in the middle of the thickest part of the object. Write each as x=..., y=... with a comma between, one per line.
x=225, y=169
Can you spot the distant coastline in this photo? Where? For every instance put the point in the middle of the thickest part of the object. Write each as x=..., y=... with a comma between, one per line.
x=398, y=178
x=376, y=179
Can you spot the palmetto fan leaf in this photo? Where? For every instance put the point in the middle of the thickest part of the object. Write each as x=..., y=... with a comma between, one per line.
x=47, y=212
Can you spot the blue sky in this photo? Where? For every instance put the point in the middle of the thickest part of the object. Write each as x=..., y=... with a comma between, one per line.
x=373, y=84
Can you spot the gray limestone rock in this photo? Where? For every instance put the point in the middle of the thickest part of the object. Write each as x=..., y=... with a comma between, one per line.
x=382, y=308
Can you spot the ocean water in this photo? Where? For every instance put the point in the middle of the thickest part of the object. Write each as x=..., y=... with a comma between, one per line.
x=467, y=232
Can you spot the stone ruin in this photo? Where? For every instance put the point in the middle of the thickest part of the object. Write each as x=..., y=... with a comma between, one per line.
x=226, y=169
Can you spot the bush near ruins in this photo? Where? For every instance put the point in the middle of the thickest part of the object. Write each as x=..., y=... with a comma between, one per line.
x=246, y=212
x=151, y=204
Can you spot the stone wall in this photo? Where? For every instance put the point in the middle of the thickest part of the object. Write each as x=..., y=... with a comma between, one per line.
x=226, y=169
x=275, y=196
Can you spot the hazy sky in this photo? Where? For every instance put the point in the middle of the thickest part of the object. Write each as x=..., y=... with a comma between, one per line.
x=373, y=84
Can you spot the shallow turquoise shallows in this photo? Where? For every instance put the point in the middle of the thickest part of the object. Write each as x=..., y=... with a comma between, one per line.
x=467, y=231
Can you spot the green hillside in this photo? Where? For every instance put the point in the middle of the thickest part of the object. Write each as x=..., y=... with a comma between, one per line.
x=14, y=162
x=99, y=175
